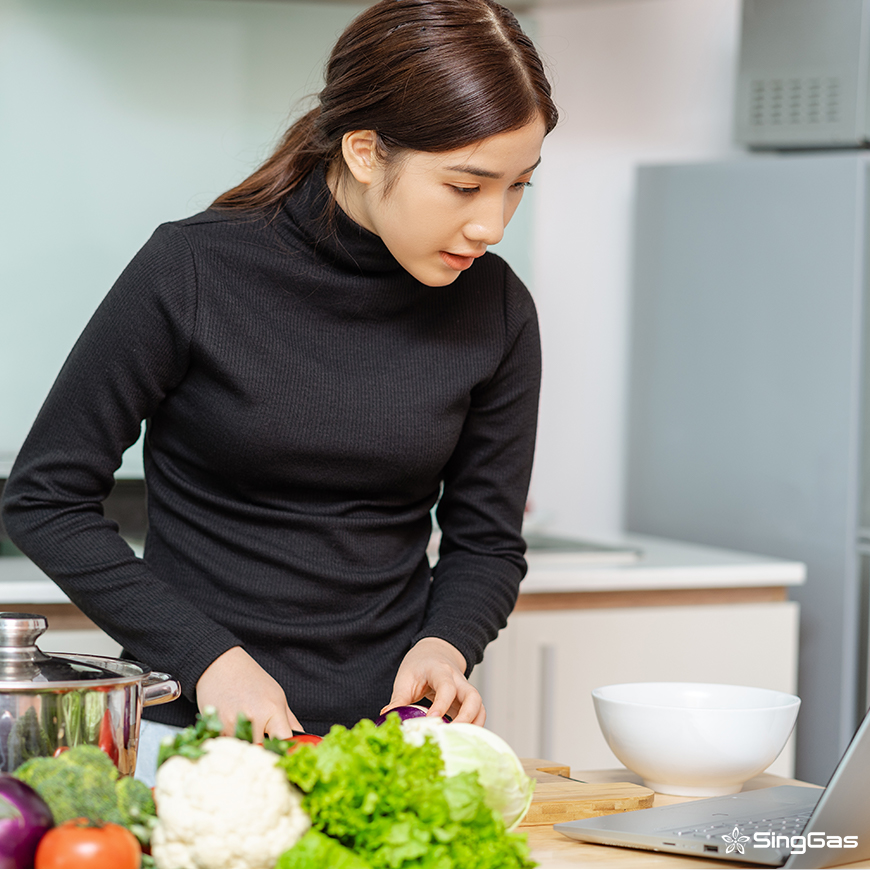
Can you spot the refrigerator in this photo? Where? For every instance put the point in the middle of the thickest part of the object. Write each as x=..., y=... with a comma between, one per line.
x=749, y=395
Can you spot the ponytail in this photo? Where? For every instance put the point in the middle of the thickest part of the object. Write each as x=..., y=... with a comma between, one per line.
x=299, y=151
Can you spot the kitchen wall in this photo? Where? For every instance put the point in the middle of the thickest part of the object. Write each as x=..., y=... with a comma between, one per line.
x=637, y=81
x=115, y=117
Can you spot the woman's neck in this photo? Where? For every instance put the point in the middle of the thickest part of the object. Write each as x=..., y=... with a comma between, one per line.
x=348, y=193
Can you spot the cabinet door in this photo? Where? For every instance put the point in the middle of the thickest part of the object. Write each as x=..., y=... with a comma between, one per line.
x=537, y=677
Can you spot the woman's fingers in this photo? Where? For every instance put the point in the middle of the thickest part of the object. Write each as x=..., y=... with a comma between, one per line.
x=406, y=690
x=445, y=697
x=282, y=725
x=460, y=701
x=435, y=669
x=236, y=684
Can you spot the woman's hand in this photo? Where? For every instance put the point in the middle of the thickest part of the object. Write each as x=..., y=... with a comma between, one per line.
x=234, y=683
x=435, y=669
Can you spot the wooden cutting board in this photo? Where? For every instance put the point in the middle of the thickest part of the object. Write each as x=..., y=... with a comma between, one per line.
x=557, y=799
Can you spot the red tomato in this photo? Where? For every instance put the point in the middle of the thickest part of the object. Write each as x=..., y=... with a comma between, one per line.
x=299, y=739
x=106, y=740
x=80, y=843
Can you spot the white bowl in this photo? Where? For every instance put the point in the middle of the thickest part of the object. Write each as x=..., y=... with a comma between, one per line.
x=699, y=739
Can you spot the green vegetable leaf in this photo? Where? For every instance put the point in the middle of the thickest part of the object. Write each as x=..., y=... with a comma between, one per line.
x=278, y=745
x=50, y=718
x=188, y=743
x=95, y=704
x=389, y=802
x=71, y=709
x=244, y=728
x=316, y=850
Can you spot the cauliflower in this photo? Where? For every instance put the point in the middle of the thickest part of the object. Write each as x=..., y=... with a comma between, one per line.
x=232, y=807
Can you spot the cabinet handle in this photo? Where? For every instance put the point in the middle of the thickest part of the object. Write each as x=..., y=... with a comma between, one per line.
x=546, y=699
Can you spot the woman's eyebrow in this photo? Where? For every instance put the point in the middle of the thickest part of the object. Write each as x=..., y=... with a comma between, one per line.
x=485, y=173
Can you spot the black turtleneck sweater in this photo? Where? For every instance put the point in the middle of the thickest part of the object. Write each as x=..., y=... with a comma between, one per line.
x=306, y=401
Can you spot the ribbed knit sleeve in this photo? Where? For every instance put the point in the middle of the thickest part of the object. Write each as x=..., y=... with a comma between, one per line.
x=131, y=355
x=481, y=560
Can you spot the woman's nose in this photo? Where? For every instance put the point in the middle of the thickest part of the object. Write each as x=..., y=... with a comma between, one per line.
x=487, y=225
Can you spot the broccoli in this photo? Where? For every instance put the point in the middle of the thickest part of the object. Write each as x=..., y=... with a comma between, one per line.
x=136, y=807
x=83, y=782
x=79, y=782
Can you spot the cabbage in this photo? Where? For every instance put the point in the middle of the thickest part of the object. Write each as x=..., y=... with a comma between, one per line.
x=471, y=748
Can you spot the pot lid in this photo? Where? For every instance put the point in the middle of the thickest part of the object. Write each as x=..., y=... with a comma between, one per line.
x=21, y=660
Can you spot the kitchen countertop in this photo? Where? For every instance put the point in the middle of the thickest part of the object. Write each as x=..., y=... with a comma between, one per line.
x=662, y=565
x=554, y=850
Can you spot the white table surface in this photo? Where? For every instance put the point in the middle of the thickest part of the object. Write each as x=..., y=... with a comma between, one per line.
x=664, y=564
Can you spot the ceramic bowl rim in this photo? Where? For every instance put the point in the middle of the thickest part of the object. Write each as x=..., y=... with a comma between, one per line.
x=789, y=701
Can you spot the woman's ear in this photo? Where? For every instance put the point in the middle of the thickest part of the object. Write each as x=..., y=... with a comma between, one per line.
x=359, y=149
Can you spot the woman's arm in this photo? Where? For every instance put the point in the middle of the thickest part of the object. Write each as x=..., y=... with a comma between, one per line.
x=133, y=352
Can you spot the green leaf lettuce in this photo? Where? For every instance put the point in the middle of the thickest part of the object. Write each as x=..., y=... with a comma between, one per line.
x=390, y=803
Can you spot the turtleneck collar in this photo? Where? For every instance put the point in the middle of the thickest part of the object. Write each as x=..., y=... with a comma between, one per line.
x=341, y=240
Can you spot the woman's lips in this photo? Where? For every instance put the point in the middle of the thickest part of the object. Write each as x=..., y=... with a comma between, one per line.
x=456, y=262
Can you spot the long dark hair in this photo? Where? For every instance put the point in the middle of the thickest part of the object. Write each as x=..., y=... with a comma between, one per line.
x=425, y=75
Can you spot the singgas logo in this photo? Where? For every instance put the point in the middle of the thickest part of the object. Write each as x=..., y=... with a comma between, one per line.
x=799, y=843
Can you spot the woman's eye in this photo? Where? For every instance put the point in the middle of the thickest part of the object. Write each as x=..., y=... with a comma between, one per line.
x=521, y=185
x=464, y=189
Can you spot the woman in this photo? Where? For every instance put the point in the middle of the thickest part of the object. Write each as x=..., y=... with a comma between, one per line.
x=321, y=357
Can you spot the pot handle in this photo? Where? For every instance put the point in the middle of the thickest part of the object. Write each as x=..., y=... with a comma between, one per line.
x=158, y=688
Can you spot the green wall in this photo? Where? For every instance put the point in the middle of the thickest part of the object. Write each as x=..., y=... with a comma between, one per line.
x=116, y=115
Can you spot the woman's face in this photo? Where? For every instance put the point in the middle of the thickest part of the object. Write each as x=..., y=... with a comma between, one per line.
x=441, y=210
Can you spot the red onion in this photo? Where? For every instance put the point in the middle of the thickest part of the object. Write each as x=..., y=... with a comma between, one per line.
x=24, y=818
x=412, y=711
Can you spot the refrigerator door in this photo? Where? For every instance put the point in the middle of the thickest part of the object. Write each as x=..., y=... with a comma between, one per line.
x=745, y=412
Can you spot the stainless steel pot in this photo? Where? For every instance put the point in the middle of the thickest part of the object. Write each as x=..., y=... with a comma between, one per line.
x=51, y=702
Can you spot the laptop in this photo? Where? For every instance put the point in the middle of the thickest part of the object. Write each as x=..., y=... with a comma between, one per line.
x=782, y=826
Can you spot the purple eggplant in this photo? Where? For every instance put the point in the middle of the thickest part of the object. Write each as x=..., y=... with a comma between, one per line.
x=24, y=818
x=411, y=711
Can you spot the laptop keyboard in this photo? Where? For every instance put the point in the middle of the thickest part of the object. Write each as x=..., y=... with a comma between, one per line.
x=783, y=825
